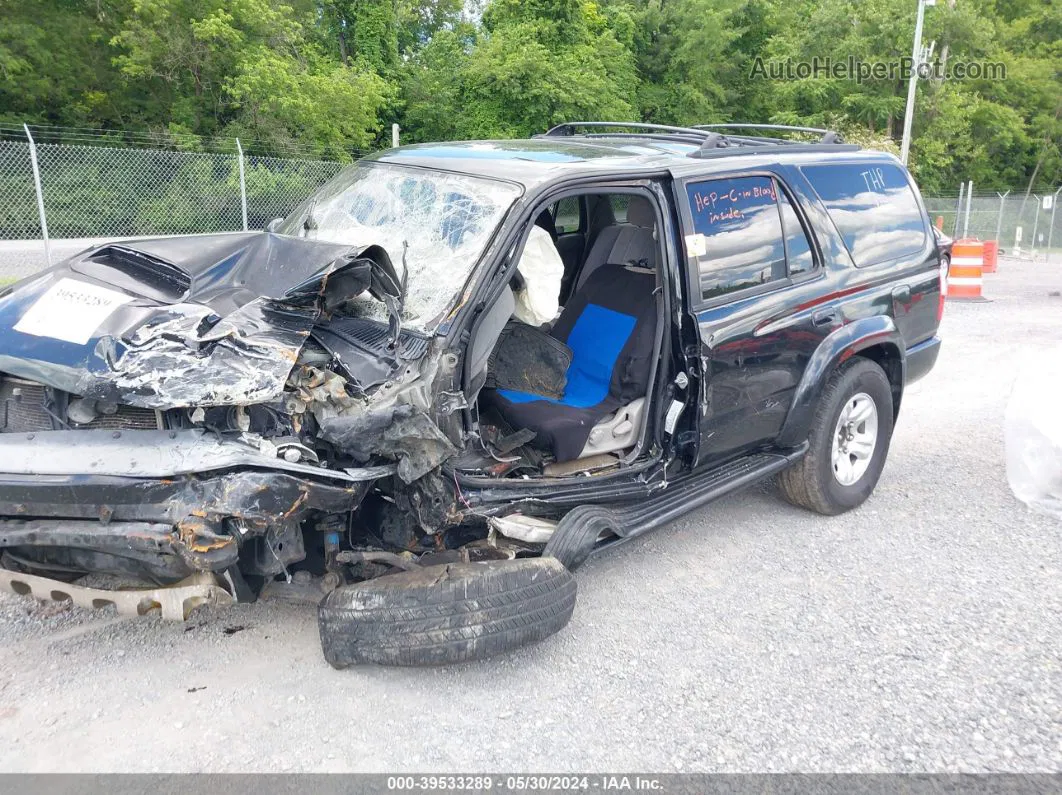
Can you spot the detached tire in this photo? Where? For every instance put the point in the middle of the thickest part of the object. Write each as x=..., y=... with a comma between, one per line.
x=848, y=444
x=441, y=615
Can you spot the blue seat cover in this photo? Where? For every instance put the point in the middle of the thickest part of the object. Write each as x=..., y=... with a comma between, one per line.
x=596, y=340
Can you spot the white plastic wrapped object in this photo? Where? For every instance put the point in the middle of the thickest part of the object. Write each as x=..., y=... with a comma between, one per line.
x=1033, y=434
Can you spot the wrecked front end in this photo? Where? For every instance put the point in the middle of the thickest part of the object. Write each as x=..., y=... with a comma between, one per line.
x=224, y=405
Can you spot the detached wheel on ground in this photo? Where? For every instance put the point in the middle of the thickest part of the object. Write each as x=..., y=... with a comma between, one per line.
x=440, y=615
x=848, y=444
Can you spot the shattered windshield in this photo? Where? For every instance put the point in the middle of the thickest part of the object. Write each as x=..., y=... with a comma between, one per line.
x=437, y=222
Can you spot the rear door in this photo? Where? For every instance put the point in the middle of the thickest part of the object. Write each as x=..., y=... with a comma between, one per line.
x=880, y=218
x=754, y=286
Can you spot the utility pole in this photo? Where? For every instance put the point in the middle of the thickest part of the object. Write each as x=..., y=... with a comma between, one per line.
x=912, y=84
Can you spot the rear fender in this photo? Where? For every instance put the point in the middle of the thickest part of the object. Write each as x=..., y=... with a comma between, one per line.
x=850, y=339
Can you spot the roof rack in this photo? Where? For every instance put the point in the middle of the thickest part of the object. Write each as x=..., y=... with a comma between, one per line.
x=828, y=136
x=829, y=140
x=664, y=131
x=709, y=139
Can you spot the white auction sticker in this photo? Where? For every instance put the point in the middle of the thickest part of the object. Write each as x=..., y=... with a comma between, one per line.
x=71, y=310
x=696, y=245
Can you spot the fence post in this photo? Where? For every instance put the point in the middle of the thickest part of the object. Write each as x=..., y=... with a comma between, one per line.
x=1036, y=225
x=969, y=201
x=999, y=221
x=243, y=185
x=958, y=209
x=394, y=136
x=40, y=194
x=1051, y=231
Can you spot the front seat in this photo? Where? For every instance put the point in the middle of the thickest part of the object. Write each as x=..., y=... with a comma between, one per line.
x=632, y=241
x=610, y=326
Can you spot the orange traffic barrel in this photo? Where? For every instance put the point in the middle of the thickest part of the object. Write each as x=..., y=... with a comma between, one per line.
x=940, y=223
x=967, y=265
x=991, y=255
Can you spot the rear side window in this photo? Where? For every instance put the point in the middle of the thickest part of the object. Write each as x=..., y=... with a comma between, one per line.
x=743, y=227
x=873, y=207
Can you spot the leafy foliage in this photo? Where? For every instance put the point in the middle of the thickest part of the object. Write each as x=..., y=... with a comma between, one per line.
x=332, y=75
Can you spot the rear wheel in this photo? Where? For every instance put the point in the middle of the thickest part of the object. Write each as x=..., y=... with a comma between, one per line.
x=848, y=444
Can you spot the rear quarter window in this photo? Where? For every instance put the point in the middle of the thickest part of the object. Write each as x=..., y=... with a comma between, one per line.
x=873, y=207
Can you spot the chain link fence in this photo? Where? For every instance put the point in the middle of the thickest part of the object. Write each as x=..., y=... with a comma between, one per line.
x=102, y=186
x=108, y=191
x=19, y=219
x=1024, y=225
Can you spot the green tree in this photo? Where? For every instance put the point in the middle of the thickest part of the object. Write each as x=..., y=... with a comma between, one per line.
x=534, y=64
x=331, y=75
x=55, y=65
x=249, y=66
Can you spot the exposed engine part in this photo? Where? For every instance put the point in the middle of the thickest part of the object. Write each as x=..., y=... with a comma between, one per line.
x=430, y=501
x=27, y=406
x=403, y=562
x=276, y=550
x=530, y=529
x=82, y=411
x=303, y=588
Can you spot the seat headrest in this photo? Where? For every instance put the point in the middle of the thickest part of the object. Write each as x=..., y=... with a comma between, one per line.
x=641, y=213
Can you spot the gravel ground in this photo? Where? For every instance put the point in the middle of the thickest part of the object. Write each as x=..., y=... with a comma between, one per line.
x=921, y=632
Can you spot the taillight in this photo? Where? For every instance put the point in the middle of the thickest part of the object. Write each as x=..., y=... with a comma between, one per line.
x=943, y=287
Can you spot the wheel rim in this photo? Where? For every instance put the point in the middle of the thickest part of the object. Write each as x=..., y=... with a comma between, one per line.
x=854, y=439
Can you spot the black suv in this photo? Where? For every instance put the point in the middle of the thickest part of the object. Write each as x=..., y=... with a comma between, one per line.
x=458, y=370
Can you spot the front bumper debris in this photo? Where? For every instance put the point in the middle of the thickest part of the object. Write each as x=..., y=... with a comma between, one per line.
x=175, y=602
x=180, y=550
x=163, y=505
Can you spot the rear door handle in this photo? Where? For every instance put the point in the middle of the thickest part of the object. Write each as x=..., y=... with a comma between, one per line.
x=824, y=317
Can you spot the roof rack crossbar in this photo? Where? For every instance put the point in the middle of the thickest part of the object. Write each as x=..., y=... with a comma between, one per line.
x=568, y=128
x=828, y=136
x=709, y=138
x=674, y=137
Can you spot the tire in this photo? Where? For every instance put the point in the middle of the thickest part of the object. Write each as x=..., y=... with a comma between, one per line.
x=812, y=482
x=577, y=533
x=441, y=615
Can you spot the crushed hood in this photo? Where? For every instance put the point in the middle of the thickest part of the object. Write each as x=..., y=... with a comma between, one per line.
x=208, y=320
